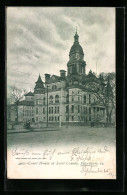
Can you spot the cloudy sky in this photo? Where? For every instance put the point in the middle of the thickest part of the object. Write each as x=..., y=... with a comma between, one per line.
x=39, y=40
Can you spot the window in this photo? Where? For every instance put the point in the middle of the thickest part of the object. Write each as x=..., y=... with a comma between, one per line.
x=54, y=87
x=78, y=108
x=89, y=118
x=89, y=99
x=58, y=109
x=72, y=118
x=51, y=99
x=58, y=118
x=72, y=108
x=67, y=98
x=56, y=99
x=55, y=118
x=36, y=118
x=78, y=98
x=84, y=99
x=89, y=110
x=52, y=110
x=49, y=110
x=44, y=101
x=67, y=109
x=55, y=110
x=52, y=118
x=72, y=98
x=36, y=110
x=43, y=110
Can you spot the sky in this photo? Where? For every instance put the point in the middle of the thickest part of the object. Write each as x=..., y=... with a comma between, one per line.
x=39, y=40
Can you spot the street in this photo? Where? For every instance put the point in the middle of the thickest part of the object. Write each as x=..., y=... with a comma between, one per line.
x=64, y=136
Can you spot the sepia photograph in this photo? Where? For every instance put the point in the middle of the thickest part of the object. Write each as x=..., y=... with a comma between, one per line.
x=61, y=92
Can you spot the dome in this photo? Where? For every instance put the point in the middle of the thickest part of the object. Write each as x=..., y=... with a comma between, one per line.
x=76, y=47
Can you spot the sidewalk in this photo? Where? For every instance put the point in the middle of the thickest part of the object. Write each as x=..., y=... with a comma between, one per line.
x=12, y=131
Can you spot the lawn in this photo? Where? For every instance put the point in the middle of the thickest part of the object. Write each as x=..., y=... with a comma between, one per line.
x=73, y=135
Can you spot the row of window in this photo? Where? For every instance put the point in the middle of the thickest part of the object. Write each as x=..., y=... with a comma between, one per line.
x=51, y=99
x=80, y=109
x=73, y=69
x=52, y=110
x=28, y=114
x=28, y=107
x=28, y=111
x=79, y=99
x=52, y=118
x=56, y=110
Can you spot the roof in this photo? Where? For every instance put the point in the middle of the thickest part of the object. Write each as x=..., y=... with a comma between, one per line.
x=39, y=79
x=29, y=94
x=26, y=103
x=76, y=47
x=54, y=78
x=90, y=77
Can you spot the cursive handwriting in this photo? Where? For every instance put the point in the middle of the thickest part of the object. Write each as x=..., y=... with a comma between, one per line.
x=16, y=152
x=90, y=160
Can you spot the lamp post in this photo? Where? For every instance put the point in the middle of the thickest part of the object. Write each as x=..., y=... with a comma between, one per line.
x=47, y=105
x=60, y=108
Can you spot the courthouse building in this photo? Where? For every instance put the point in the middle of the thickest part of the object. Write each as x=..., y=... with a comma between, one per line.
x=63, y=98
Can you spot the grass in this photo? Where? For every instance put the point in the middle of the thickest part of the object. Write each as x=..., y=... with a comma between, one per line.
x=65, y=136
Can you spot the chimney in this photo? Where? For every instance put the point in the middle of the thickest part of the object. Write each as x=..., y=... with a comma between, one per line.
x=62, y=74
x=47, y=78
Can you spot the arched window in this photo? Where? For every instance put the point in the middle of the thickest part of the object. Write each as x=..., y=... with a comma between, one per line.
x=51, y=99
x=56, y=99
x=54, y=87
x=84, y=99
x=44, y=101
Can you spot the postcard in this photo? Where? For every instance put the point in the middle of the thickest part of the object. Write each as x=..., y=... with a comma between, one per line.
x=61, y=93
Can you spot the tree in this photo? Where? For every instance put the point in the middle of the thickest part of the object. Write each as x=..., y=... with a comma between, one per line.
x=104, y=90
x=17, y=94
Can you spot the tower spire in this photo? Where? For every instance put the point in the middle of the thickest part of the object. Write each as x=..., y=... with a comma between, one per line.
x=76, y=36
